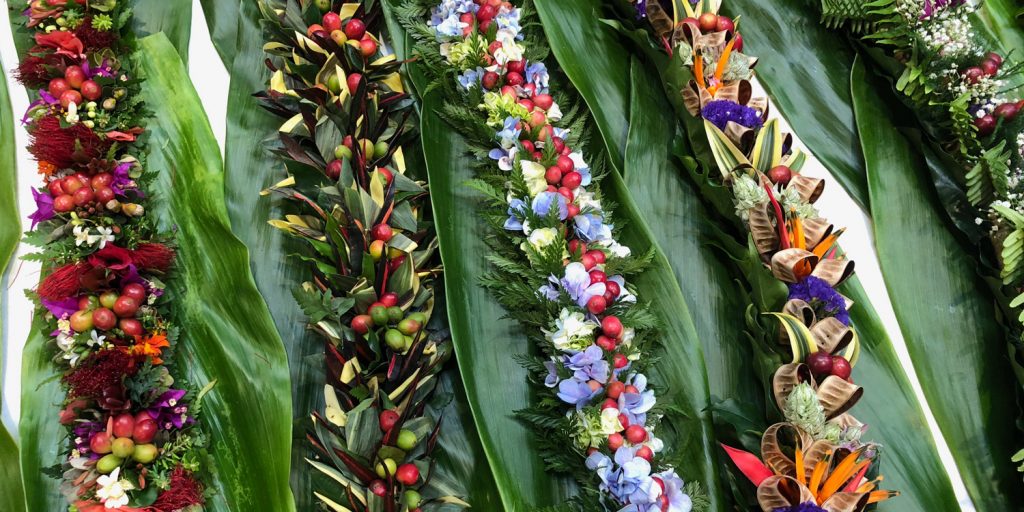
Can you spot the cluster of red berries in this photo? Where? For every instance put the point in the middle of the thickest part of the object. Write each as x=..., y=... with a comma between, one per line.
x=986, y=124
x=711, y=22
x=354, y=30
x=81, y=191
x=111, y=309
x=823, y=364
x=74, y=86
x=484, y=17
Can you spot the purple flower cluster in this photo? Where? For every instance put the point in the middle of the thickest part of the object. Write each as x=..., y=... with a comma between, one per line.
x=806, y=506
x=720, y=112
x=825, y=300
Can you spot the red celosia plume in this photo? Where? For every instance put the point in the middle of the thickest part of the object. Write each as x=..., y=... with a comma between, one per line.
x=184, y=492
x=92, y=38
x=33, y=72
x=64, y=147
x=99, y=371
x=64, y=282
x=153, y=256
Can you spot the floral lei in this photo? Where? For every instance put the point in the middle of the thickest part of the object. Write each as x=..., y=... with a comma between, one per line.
x=827, y=468
x=969, y=101
x=371, y=253
x=559, y=268
x=134, y=440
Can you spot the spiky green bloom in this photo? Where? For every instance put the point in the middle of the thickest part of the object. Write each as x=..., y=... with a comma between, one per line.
x=102, y=22
x=791, y=201
x=805, y=411
x=466, y=54
x=747, y=194
x=500, y=106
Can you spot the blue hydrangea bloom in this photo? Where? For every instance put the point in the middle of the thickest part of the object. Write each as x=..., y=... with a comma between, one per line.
x=509, y=133
x=471, y=77
x=720, y=112
x=576, y=392
x=636, y=405
x=591, y=227
x=544, y=201
x=551, y=379
x=589, y=365
x=516, y=214
x=537, y=74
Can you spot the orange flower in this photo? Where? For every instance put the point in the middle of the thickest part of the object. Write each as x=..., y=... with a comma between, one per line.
x=150, y=346
x=46, y=168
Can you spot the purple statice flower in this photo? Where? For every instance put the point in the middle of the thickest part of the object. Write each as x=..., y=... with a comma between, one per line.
x=169, y=411
x=636, y=405
x=589, y=365
x=576, y=392
x=641, y=9
x=806, y=506
x=824, y=299
x=516, y=215
x=720, y=112
x=544, y=201
x=59, y=308
x=576, y=285
x=44, y=207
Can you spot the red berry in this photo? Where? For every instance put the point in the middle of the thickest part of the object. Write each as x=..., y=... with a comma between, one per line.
x=553, y=175
x=528, y=146
x=100, y=443
x=597, y=304
x=994, y=57
x=611, y=290
x=531, y=90
x=313, y=29
x=597, y=276
x=516, y=66
x=708, y=22
x=989, y=67
x=985, y=124
x=631, y=389
x=645, y=453
x=577, y=247
x=104, y=195
x=333, y=170
x=104, y=319
x=388, y=419
x=723, y=23
x=407, y=474
x=124, y=424
x=489, y=80
x=607, y=344
x=83, y=196
x=598, y=256
x=91, y=90
x=543, y=101
x=565, y=164
x=63, y=203
x=611, y=326
x=572, y=210
x=144, y=431
x=331, y=22
x=72, y=184
x=362, y=324
x=738, y=45
x=382, y=232
x=620, y=361
x=75, y=76
x=609, y=403
x=367, y=47
x=57, y=87
x=378, y=487
x=70, y=96
x=512, y=78
x=352, y=81
x=973, y=74
x=55, y=187
x=571, y=180
x=125, y=307
x=131, y=327
x=615, y=389
x=558, y=143
x=840, y=366
x=566, y=193
x=538, y=118
x=780, y=175
x=493, y=47
x=820, y=363
x=624, y=421
x=389, y=299
x=588, y=261
x=355, y=28
x=636, y=434
x=527, y=104
x=508, y=90
x=486, y=13
x=1007, y=111
x=615, y=441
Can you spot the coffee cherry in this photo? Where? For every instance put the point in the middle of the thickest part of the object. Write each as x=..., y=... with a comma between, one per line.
x=99, y=443
x=388, y=418
x=553, y=175
x=313, y=29
x=362, y=324
x=131, y=327
x=994, y=57
x=331, y=22
x=406, y=440
x=518, y=66
x=597, y=276
x=611, y=326
x=355, y=28
x=125, y=307
x=620, y=361
x=83, y=196
x=407, y=474
x=382, y=232
x=378, y=487
x=104, y=319
x=780, y=175
x=723, y=23
x=598, y=256
x=607, y=344
x=611, y=290
x=990, y=68
x=70, y=96
x=63, y=203
x=386, y=467
x=367, y=47
x=543, y=101
x=738, y=45
x=352, y=81
x=333, y=170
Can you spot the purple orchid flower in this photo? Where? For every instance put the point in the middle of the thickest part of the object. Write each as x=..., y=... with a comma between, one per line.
x=60, y=308
x=169, y=411
x=44, y=207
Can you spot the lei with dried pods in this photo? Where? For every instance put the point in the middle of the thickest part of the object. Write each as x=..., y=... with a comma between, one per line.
x=371, y=251
x=131, y=422
x=815, y=460
x=557, y=267
x=968, y=101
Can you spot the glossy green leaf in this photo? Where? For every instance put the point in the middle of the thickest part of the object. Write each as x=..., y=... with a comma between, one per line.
x=223, y=18
x=250, y=169
x=1005, y=20
x=172, y=17
x=228, y=335
x=944, y=309
x=12, y=497
x=806, y=69
x=800, y=338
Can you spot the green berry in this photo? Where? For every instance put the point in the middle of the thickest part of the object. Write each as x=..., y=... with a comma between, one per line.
x=419, y=317
x=379, y=314
x=395, y=339
x=395, y=314
x=342, y=151
x=386, y=464
x=380, y=148
x=334, y=83
x=406, y=440
x=409, y=326
x=108, y=463
x=412, y=499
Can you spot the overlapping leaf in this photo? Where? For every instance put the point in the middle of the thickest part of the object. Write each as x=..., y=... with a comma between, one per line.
x=944, y=309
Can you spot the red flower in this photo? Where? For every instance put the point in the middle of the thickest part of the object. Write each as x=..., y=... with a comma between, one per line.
x=112, y=257
x=64, y=147
x=184, y=491
x=65, y=42
x=64, y=282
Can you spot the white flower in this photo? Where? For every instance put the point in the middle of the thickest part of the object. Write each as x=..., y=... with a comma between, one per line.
x=572, y=331
x=113, y=491
x=616, y=248
x=96, y=340
x=610, y=423
x=554, y=113
x=104, y=235
x=510, y=51
x=72, y=114
x=533, y=173
x=543, y=237
x=81, y=236
x=585, y=199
